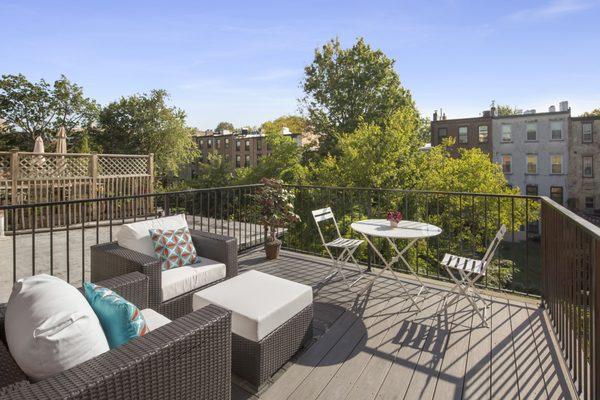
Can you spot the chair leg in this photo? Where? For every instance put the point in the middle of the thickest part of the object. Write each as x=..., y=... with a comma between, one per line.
x=464, y=286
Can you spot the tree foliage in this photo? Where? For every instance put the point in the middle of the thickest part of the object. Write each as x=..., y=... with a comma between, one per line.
x=506, y=110
x=295, y=123
x=346, y=87
x=594, y=113
x=215, y=172
x=144, y=123
x=31, y=109
x=224, y=126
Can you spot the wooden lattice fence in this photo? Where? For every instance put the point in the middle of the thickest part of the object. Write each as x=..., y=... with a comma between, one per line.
x=30, y=178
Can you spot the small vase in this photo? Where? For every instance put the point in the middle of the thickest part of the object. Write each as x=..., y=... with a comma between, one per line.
x=393, y=224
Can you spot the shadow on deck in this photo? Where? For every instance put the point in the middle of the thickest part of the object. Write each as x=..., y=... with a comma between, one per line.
x=376, y=345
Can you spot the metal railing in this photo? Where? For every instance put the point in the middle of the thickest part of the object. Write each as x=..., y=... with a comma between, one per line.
x=62, y=247
x=548, y=251
x=571, y=281
x=469, y=221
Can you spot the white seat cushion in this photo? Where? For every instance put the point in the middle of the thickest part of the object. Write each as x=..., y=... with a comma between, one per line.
x=51, y=327
x=463, y=263
x=259, y=302
x=136, y=236
x=344, y=243
x=153, y=319
x=182, y=280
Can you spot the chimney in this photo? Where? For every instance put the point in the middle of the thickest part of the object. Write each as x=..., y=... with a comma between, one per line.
x=552, y=109
x=443, y=116
x=563, y=106
x=493, y=110
x=435, y=115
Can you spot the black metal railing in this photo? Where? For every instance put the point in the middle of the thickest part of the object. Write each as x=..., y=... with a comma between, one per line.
x=62, y=248
x=570, y=292
x=469, y=221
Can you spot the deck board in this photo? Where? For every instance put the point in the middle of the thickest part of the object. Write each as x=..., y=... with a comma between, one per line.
x=377, y=345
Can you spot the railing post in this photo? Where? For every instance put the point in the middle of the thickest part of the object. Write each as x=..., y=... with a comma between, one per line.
x=93, y=172
x=150, y=201
x=595, y=266
x=14, y=175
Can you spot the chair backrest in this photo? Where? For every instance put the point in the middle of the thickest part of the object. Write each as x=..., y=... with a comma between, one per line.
x=489, y=254
x=325, y=214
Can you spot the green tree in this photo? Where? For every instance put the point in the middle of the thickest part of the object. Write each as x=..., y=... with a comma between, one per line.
x=376, y=156
x=295, y=123
x=346, y=87
x=594, y=113
x=224, y=126
x=144, y=123
x=31, y=109
x=215, y=172
x=505, y=110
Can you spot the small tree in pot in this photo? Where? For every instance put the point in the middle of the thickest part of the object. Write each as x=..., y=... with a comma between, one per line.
x=276, y=210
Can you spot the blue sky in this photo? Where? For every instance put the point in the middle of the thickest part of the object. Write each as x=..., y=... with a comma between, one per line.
x=242, y=61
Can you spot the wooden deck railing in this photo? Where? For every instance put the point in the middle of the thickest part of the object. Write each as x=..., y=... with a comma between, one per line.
x=570, y=291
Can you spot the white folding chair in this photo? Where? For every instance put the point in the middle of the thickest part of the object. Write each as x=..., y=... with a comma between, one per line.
x=465, y=272
x=347, y=247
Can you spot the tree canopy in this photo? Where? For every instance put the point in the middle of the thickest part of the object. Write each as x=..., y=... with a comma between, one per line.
x=144, y=123
x=594, y=113
x=31, y=109
x=224, y=126
x=346, y=87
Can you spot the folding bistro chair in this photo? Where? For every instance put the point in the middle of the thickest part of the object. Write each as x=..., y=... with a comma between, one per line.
x=347, y=247
x=465, y=272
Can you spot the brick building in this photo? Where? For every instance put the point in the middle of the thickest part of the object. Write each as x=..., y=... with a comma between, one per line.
x=584, y=164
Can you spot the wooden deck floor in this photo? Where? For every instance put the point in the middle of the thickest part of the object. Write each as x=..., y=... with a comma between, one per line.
x=376, y=346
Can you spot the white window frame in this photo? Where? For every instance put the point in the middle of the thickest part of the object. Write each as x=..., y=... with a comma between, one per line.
x=591, y=133
x=509, y=164
x=527, y=126
x=465, y=132
x=583, y=160
x=527, y=164
x=552, y=164
x=483, y=133
x=506, y=133
x=552, y=125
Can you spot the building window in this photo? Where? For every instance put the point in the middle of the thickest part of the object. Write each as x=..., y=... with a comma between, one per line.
x=588, y=166
x=531, y=132
x=463, y=135
x=556, y=162
x=238, y=145
x=259, y=144
x=586, y=132
x=238, y=161
x=483, y=134
x=556, y=128
x=506, y=133
x=200, y=142
x=218, y=143
x=209, y=143
x=226, y=143
x=556, y=194
x=589, y=203
x=442, y=134
x=531, y=190
x=507, y=163
x=247, y=160
x=532, y=160
x=247, y=145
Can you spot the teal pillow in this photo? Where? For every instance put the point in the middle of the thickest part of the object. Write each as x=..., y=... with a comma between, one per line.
x=120, y=320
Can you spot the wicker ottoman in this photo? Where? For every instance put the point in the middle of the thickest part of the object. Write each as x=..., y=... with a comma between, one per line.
x=271, y=320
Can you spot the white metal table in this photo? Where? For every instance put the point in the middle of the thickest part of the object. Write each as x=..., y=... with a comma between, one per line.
x=406, y=230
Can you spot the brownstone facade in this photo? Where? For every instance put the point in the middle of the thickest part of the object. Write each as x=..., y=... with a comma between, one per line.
x=468, y=133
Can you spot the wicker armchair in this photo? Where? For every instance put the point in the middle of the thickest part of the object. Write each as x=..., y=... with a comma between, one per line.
x=189, y=358
x=110, y=260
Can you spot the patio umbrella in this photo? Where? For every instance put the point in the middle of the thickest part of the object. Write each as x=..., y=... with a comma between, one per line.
x=38, y=147
x=61, y=141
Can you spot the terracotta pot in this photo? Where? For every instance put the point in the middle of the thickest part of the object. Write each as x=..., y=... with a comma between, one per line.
x=272, y=249
x=393, y=224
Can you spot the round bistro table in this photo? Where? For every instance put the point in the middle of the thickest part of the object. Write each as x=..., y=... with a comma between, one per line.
x=406, y=230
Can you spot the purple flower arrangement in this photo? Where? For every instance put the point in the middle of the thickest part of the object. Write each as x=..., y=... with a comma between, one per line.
x=394, y=217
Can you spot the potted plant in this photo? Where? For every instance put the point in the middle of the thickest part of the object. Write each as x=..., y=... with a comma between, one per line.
x=276, y=210
x=394, y=217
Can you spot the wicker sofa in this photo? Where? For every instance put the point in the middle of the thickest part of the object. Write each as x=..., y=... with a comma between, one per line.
x=110, y=260
x=189, y=358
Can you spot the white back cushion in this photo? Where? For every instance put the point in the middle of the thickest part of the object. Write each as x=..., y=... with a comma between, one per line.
x=50, y=327
x=135, y=236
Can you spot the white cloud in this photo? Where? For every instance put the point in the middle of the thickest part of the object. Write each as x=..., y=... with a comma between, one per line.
x=552, y=9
